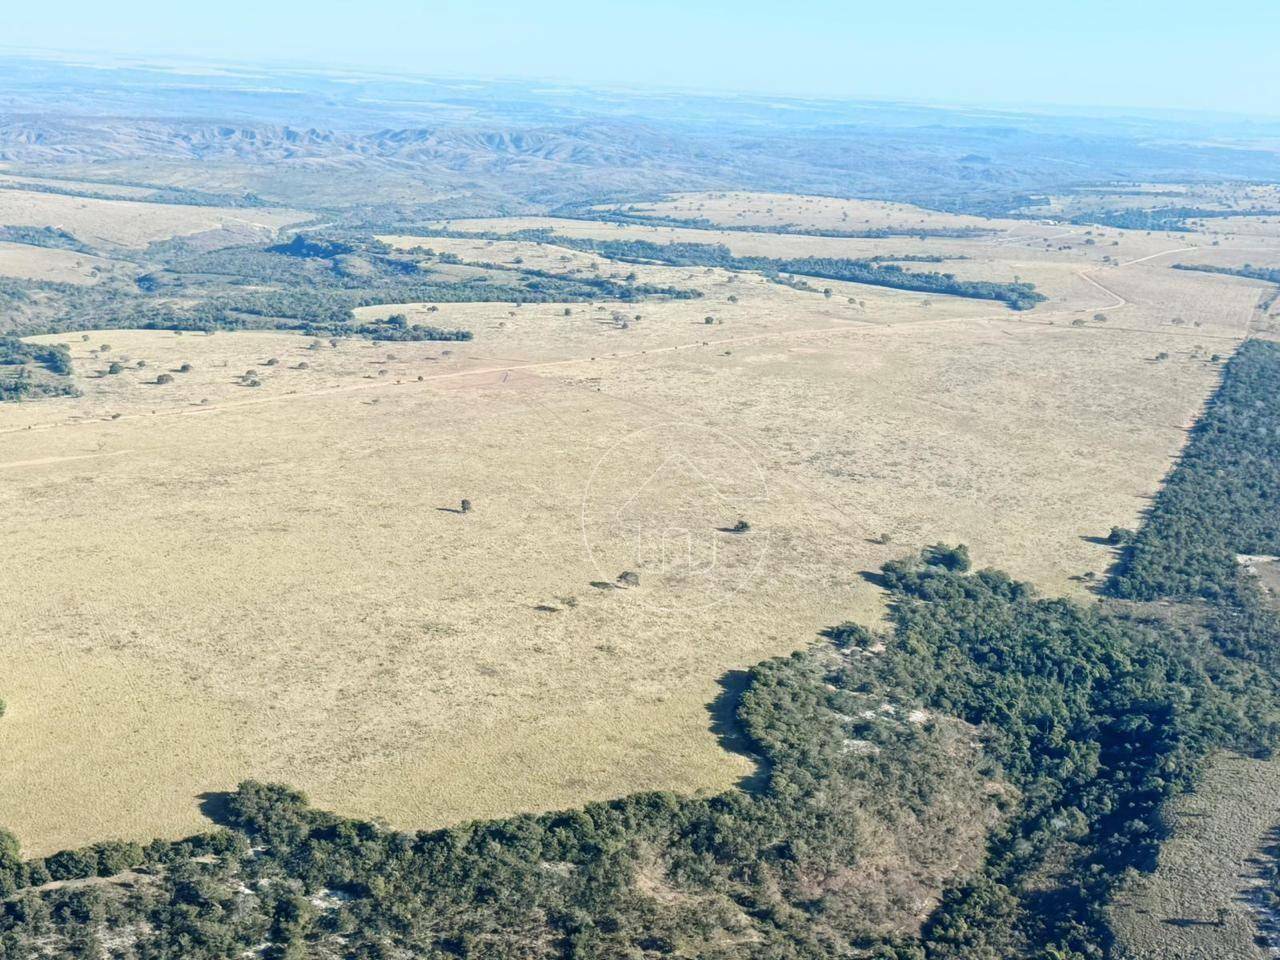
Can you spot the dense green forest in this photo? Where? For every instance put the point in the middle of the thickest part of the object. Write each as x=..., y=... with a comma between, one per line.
x=874, y=271
x=1009, y=752
x=1223, y=498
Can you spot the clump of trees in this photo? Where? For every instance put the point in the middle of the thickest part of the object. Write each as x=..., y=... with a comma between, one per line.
x=38, y=370
x=951, y=558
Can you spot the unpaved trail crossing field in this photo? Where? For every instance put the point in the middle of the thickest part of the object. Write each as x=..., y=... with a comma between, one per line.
x=207, y=582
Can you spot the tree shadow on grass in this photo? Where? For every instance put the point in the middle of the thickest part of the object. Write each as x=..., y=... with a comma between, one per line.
x=216, y=805
x=874, y=578
x=729, y=731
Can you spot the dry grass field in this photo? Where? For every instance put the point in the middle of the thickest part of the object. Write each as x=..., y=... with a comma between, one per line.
x=133, y=224
x=1018, y=243
x=60, y=266
x=116, y=190
x=1150, y=196
x=1205, y=900
x=746, y=209
x=209, y=581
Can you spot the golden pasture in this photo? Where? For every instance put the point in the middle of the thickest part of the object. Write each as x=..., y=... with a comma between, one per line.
x=208, y=581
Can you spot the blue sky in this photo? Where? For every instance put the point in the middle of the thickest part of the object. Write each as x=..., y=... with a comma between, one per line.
x=1223, y=55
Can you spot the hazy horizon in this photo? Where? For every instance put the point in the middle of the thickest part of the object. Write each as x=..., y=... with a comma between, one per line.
x=1091, y=56
x=180, y=65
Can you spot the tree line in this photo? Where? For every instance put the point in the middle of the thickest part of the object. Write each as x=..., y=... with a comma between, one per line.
x=873, y=271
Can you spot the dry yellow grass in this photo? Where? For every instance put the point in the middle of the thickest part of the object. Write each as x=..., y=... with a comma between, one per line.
x=1207, y=196
x=129, y=223
x=121, y=191
x=1205, y=899
x=60, y=266
x=1026, y=244
x=749, y=209
x=272, y=583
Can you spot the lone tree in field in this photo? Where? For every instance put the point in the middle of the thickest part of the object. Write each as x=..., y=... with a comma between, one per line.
x=164, y=378
x=740, y=527
x=465, y=506
x=629, y=578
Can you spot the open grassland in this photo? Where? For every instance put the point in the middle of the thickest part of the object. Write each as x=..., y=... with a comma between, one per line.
x=1018, y=241
x=59, y=266
x=740, y=209
x=210, y=581
x=1154, y=196
x=1206, y=900
x=131, y=224
x=61, y=185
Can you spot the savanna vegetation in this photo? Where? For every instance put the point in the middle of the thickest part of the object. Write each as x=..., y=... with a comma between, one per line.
x=1249, y=271
x=49, y=237
x=973, y=782
x=874, y=271
x=308, y=284
x=1223, y=499
x=33, y=370
x=1168, y=219
x=633, y=215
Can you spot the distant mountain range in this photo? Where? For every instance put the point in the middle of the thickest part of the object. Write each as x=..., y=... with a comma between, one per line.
x=509, y=146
